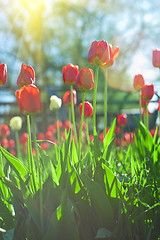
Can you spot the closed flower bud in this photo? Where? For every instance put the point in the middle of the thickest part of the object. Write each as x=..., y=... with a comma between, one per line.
x=3, y=74
x=29, y=101
x=148, y=91
x=16, y=123
x=69, y=74
x=85, y=79
x=122, y=120
x=55, y=103
x=156, y=58
x=5, y=130
x=26, y=76
x=88, y=109
x=11, y=143
x=102, y=54
x=138, y=82
x=23, y=139
x=67, y=97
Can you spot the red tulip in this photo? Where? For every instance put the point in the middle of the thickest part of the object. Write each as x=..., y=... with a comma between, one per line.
x=122, y=120
x=4, y=142
x=23, y=139
x=59, y=124
x=41, y=136
x=88, y=109
x=138, y=82
x=102, y=54
x=5, y=130
x=26, y=76
x=147, y=92
x=3, y=74
x=85, y=79
x=144, y=103
x=52, y=128
x=44, y=145
x=67, y=125
x=67, y=97
x=29, y=101
x=156, y=58
x=69, y=74
x=11, y=143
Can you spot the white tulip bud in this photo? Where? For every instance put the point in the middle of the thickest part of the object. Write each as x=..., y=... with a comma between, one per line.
x=16, y=123
x=55, y=103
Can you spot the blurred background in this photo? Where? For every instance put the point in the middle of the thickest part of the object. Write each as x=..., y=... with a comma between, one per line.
x=48, y=34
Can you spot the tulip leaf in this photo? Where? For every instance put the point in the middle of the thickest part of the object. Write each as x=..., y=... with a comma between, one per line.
x=15, y=163
x=100, y=202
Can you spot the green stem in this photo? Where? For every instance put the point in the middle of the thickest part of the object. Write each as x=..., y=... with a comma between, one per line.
x=105, y=104
x=80, y=130
x=140, y=106
x=69, y=115
x=17, y=144
x=94, y=101
x=87, y=132
x=146, y=116
x=39, y=170
x=58, y=131
x=73, y=116
x=30, y=156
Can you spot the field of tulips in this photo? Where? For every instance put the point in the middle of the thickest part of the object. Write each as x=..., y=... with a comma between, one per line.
x=75, y=182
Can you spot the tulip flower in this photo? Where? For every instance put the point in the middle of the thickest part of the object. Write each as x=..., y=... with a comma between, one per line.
x=51, y=128
x=88, y=109
x=26, y=76
x=55, y=103
x=122, y=120
x=85, y=79
x=29, y=101
x=4, y=130
x=148, y=91
x=67, y=97
x=69, y=74
x=15, y=123
x=102, y=54
x=11, y=143
x=58, y=124
x=4, y=142
x=41, y=136
x=23, y=139
x=144, y=102
x=138, y=82
x=3, y=74
x=156, y=58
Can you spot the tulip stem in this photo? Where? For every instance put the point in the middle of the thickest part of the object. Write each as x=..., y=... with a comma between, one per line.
x=17, y=144
x=94, y=101
x=58, y=131
x=30, y=156
x=140, y=106
x=105, y=104
x=87, y=132
x=39, y=169
x=73, y=116
x=80, y=130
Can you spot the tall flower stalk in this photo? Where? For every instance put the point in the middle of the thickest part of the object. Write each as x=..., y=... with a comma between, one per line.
x=80, y=130
x=73, y=116
x=39, y=169
x=94, y=100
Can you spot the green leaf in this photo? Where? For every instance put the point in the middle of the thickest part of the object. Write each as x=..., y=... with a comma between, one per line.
x=100, y=202
x=54, y=175
x=108, y=138
x=15, y=163
x=113, y=186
